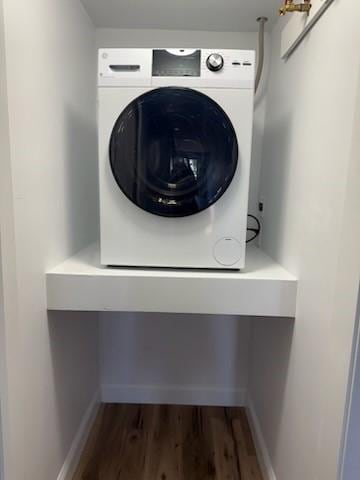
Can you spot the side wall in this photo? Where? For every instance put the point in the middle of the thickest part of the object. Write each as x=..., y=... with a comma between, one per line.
x=53, y=359
x=9, y=339
x=351, y=459
x=348, y=280
x=143, y=355
x=310, y=183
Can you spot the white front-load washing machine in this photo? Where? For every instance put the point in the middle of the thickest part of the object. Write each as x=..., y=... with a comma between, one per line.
x=175, y=132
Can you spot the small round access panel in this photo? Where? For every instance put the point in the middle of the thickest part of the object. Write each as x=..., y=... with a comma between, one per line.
x=227, y=251
x=173, y=151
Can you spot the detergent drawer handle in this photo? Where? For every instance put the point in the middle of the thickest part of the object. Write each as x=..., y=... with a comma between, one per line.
x=124, y=68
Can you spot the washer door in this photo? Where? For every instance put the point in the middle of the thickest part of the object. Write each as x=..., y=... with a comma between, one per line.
x=173, y=151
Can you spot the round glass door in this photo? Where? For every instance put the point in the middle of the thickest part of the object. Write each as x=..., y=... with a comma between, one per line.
x=173, y=151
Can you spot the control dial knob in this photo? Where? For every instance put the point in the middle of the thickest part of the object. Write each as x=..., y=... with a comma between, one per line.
x=215, y=62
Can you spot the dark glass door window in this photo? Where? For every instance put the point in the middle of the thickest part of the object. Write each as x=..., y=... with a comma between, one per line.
x=173, y=151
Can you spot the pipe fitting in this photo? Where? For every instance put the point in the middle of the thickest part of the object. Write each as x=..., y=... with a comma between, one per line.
x=290, y=7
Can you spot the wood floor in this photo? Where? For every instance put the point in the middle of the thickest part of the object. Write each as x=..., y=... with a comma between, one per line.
x=148, y=442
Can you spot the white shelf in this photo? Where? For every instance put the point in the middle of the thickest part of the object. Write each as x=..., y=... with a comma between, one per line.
x=264, y=288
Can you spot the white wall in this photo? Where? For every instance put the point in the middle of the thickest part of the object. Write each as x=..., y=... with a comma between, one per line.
x=172, y=358
x=3, y=382
x=347, y=282
x=351, y=459
x=215, y=348
x=9, y=363
x=52, y=360
x=4, y=153
x=310, y=183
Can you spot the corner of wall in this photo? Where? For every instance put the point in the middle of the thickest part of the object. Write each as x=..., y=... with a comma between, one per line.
x=77, y=446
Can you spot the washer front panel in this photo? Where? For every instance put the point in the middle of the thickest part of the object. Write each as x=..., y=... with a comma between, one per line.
x=173, y=151
x=172, y=166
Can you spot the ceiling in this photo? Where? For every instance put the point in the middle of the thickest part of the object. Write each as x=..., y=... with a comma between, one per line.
x=211, y=15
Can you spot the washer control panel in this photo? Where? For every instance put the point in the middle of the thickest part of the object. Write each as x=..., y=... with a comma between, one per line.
x=189, y=67
x=187, y=62
x=176, y=63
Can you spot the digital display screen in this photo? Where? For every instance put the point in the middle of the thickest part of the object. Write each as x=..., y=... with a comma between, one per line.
x=176, y=63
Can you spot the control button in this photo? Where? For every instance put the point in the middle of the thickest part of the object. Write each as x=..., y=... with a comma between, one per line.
x=227, y=251
x=215, y=62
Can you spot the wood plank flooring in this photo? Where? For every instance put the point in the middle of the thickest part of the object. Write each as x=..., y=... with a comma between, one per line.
x=153, y=442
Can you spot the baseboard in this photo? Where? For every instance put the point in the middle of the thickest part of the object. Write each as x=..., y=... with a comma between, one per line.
x=170, y=394
x=260, y=444
x=72, y=459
